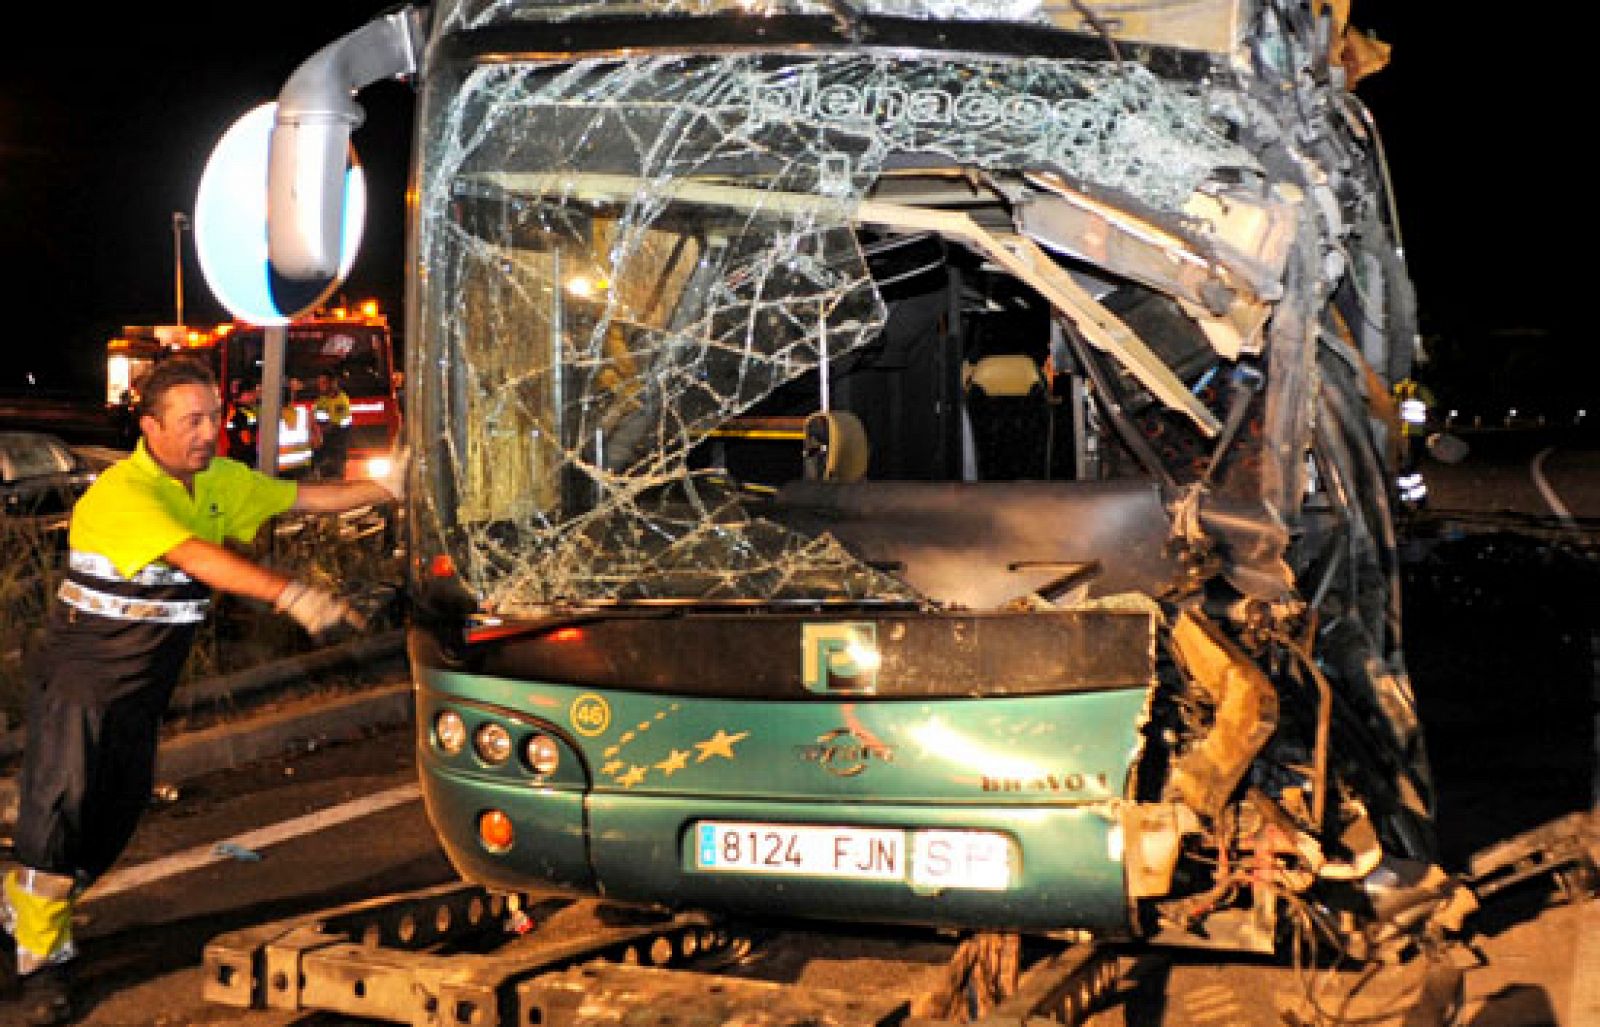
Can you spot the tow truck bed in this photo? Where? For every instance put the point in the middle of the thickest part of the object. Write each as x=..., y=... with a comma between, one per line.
x=458, y=955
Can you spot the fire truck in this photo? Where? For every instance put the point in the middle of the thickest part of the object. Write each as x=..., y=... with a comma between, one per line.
x=352, y=343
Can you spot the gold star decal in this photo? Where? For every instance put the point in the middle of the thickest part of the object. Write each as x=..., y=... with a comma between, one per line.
x=635, y=775
x=719, y=744
x=674, y=763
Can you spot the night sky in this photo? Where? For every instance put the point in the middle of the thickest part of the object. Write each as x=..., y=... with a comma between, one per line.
x=105, y=125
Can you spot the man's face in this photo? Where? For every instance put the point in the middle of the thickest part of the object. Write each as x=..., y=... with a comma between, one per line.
x=182, y=434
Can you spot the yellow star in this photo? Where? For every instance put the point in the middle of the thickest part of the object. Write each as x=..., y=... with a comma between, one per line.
x=635, y=775
x=719, y=744
x=612, y=767
x=674, y=763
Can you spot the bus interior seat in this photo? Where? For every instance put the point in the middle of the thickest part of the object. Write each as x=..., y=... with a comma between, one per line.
x=1008, y=403
x=835, y=447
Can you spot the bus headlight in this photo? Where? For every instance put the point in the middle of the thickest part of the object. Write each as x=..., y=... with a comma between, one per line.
x=450, y=732
x=493, y=744
x=379, y=466
x=542, y=754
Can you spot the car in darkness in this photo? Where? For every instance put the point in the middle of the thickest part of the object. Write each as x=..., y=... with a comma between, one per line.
x=41, y=477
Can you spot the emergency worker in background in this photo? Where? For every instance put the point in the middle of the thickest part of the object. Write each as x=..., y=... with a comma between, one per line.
x=299, y=434
x=1414, y=402
x=243, y=414
x=147, y=548
x=332, y=409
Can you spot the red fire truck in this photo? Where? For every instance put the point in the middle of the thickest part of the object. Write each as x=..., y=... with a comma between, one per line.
x=353, y=344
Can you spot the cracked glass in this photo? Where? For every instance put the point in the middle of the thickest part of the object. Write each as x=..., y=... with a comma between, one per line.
x=626, y=256
x=474, y=13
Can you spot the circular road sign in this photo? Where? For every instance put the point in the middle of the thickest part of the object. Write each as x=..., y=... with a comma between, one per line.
x=230, y=228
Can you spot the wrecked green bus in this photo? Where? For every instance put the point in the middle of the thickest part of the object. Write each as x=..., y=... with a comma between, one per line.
x=910, y=461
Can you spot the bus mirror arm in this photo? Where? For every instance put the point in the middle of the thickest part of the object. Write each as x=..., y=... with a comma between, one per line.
x=309, y=152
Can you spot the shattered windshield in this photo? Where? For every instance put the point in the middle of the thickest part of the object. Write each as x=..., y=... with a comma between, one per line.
x=468, y=13
x=628, y=256
x=1201, y=24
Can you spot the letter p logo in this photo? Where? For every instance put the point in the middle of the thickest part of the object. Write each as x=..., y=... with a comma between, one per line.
x=840, y=657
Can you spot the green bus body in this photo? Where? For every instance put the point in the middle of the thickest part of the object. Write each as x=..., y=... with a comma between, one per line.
x=915, y=461
x=639, y=770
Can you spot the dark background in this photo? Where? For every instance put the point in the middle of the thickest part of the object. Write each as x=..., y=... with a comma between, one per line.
x=106, y=122
x=105, y=127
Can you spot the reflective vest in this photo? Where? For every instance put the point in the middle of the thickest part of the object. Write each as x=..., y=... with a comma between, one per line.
x=295, y=443
x=1413, y=401
x=333, y=411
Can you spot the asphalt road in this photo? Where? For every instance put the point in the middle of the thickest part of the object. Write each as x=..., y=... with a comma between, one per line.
x=1502, y=644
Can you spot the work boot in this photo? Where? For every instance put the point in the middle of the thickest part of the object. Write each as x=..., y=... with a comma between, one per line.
x=36, y=910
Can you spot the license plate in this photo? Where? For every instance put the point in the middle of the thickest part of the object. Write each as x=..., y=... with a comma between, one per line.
x=924, y=859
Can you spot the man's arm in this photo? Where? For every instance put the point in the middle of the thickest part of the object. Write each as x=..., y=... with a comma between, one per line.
x=317, y=611
x=225, y=570
x=338, y=496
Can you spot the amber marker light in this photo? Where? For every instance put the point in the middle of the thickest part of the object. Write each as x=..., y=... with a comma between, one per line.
x=494, y=830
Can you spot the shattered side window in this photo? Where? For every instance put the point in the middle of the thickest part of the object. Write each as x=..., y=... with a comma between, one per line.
x=625, y=254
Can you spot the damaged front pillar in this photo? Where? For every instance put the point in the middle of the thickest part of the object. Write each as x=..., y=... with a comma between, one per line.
x=1245, y=713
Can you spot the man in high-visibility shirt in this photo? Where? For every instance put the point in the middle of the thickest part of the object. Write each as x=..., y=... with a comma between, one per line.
x=332, y=408
x=148, y=548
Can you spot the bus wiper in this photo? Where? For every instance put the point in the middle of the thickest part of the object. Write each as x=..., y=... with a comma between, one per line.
x=1077, y=573
x=491, y=628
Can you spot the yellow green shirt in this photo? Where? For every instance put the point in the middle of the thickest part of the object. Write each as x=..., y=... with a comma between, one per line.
x=135, y=512
x=334, y=409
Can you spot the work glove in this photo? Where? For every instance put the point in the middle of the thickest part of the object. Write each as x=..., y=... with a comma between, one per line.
x=319, y=612
x=393, y=481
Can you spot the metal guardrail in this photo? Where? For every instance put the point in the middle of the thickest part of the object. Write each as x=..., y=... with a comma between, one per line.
x=194, y=695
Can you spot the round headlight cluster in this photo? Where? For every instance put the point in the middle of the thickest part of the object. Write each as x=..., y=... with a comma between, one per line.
x=450, y=731
x=494, y=745
x=492, y=742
